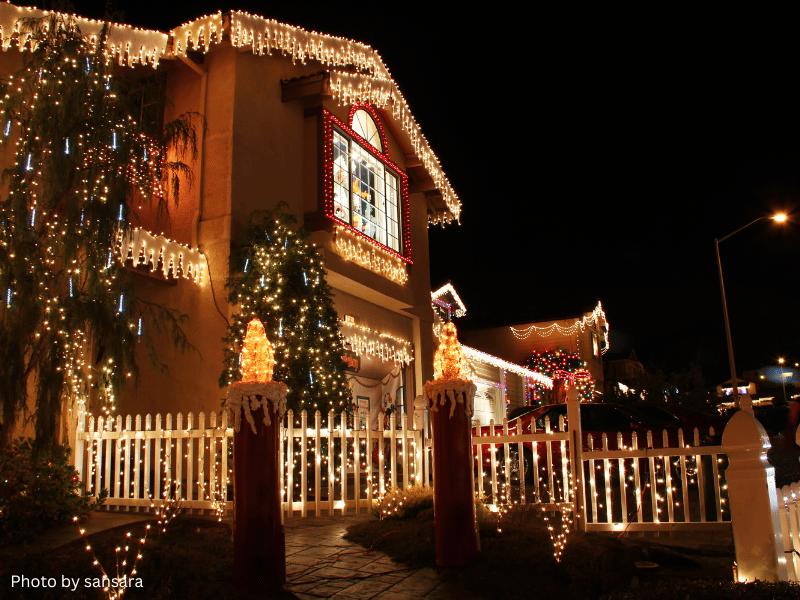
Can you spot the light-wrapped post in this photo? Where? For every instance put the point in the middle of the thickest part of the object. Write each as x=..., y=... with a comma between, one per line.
x=256, y=408
x=451, y=403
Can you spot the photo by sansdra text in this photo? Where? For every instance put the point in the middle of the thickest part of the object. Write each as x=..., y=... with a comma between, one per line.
x=72, y=583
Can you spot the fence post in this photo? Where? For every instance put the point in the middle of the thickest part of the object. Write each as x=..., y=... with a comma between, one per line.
x=753, y=499
x=576, y=454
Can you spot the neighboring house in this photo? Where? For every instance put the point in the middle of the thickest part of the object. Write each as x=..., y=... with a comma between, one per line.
x=502, y=385
x=622, y=374
x=586, y=335
x=725, y=389
x=291, y=116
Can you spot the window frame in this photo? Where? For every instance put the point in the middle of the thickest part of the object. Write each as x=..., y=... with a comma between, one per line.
x=331, y=123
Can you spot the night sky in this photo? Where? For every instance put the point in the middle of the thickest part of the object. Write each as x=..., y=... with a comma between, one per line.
x=597, y=156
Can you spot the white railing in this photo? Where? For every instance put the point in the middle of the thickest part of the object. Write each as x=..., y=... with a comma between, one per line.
x=655, y=489
x=142, y=462
x=632, y=489
x=537, y=463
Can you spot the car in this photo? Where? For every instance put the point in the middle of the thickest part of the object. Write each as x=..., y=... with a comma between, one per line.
x=688, y=419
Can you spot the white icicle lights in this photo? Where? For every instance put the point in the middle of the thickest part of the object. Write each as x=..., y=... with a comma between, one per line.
x=246, y=397
x=457, y=391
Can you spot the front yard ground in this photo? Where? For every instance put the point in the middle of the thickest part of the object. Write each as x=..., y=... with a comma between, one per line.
x=517, y=560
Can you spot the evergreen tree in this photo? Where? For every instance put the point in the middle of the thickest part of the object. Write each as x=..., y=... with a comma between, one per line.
x=82, y=165
x=281, y=281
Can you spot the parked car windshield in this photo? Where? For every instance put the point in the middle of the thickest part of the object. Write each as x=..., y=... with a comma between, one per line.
x=656, y=415
x=594, y=417
x=603, y=418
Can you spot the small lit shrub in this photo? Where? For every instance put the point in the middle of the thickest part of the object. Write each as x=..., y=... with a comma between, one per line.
x=36, y=493
x=403, y=504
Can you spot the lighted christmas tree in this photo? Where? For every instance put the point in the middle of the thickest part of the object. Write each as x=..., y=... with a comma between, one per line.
x=81, y=167
x=564, y=368
x=281, y=281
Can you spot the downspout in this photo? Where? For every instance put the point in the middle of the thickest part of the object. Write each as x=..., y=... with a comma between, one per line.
x=203, y=73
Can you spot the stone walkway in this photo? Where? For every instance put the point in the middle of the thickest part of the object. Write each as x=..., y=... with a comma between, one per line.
x=320, y=563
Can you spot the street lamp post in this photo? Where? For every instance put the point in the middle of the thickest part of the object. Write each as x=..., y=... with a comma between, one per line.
x=746, y=405
x=784, y=375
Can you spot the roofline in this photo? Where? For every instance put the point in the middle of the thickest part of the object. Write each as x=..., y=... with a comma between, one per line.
x=370, y=84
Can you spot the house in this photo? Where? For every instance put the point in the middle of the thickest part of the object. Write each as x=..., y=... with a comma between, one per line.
x=622, y=374
x=502, y=386
x=292, y=116
x=585, y=335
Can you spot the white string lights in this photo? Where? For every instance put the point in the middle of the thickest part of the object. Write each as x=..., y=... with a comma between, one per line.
x=129, y=45
x=177, y=260
x=436, y=297
x=596, y=318
x=372, y=83
x=369, y=256
x=385, y=346
x=539, y=378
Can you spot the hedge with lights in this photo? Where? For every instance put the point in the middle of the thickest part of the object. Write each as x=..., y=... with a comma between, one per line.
x=281, y=280
x=81, y=166
x=560, y=365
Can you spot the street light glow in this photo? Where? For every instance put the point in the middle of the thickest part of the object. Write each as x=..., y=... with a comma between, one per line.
x=746, y=405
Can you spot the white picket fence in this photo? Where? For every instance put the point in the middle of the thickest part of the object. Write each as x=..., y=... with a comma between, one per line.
x=143, y=462
x=633, y=489
x=336, y=469
x=551, y=485
x=655, y=489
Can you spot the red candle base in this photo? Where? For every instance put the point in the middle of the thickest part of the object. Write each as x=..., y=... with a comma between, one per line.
x=259, y=546
x=457, y=541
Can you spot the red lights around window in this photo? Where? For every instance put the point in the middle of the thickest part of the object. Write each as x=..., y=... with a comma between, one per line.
x=328, y=124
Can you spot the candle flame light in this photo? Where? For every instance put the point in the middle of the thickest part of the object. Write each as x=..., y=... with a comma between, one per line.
x=258, y=358
x=449, y=361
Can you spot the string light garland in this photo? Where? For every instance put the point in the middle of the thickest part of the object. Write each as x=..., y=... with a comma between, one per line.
x=142, y=248
x=597, y=318
x=128, y=45
x=460, y=309
x=535, y=377
x=366, y=341
x=368, y=254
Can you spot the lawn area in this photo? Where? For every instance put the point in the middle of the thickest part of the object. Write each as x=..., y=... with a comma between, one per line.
x=192, y=560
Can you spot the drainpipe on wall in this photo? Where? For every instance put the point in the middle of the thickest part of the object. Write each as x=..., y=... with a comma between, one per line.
x=203, y=73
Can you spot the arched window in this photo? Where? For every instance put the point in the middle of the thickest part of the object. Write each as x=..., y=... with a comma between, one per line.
x=364, y=125
x=367, y=191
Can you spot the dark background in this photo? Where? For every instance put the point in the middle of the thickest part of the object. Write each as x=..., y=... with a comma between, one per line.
x=597, y=156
